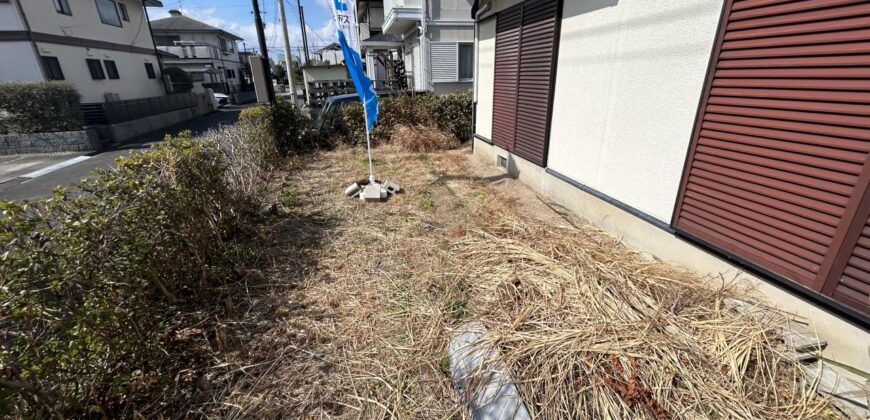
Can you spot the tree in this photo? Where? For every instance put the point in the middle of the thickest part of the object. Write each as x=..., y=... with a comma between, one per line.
x=280, y=74
x=181, y=81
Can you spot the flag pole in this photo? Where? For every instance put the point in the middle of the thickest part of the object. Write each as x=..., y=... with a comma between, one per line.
x=369, y=145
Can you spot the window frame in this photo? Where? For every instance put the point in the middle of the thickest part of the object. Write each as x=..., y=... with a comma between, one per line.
x=111, y=70
x=149, y=70
x=45, y=59
x=114, y=7
x=459, y=46
x=99, y=66
x=62, y=7
x=125, y=14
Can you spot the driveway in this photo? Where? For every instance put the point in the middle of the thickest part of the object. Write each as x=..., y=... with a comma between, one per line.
x=26, y=177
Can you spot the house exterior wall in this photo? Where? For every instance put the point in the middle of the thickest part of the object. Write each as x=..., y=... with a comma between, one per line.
x=627, y=88
x=74, y=38
x=24, y=68
x=216, y=59
x=85, y=22
x=451, y=9
x=133, y=82
x=10, y=17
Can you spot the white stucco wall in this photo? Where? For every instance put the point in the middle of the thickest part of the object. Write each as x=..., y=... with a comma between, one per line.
x=133, y=82
x=85, y=22
x=629, y=79
x=485, y=77
x=24, y=67
x=10, y=18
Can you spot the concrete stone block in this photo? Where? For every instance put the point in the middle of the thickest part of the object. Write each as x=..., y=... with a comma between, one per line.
x=352, y=190
x=482, y=383
x=392, y=188
x=373, y=193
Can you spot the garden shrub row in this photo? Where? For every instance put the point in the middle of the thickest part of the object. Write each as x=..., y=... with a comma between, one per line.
x=42, y=107
x=449, y=113
x=93, y=282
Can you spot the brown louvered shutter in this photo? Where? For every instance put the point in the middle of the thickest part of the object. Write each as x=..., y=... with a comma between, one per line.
x=507, y=52
x=776, y=168
x=850, y=279
x=537, y=46
x=525, y=53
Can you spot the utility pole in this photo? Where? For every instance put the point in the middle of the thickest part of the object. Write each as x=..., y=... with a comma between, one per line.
x=304, y=34
x=288, y=55
x=264, y=53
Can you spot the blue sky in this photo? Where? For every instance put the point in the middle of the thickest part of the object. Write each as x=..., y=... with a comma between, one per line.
x=235, y=16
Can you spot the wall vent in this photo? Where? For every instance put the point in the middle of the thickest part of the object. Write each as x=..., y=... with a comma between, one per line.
x=501, y=162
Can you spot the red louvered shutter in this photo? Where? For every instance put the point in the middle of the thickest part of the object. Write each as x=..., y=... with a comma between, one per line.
x=507, y=51
x=525, y=55
x=776, y=168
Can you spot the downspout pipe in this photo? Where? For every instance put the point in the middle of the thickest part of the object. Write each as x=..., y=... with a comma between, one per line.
x=424, y=45
x=477, y=14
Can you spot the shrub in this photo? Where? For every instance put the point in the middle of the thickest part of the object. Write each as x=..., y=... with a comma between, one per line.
x=39, y=107
x=422, y=139
x=289, y=132
x=248, y=157
x=181, y=81
x=451, y=113
x=90, y=282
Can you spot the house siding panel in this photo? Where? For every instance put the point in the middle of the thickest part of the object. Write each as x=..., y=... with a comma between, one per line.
x=776, y=170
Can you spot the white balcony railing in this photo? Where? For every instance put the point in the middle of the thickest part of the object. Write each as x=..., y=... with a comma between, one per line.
x=191, y=51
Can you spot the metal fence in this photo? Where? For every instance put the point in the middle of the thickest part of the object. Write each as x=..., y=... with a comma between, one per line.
x=132, y=109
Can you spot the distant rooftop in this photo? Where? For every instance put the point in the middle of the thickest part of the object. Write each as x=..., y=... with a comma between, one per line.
x=177, y=22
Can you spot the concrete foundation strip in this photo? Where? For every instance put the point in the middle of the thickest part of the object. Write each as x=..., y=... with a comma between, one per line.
x=483, y=385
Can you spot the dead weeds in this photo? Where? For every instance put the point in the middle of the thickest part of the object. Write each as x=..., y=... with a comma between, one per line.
x=358, y=301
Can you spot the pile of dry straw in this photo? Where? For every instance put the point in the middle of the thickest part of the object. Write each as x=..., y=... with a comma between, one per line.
x=589, y=329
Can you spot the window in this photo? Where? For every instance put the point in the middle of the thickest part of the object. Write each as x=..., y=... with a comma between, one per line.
x=62, y=6
x=52, y=68
x=196, y=77
x=111, y=69
x=223, y=44
x=466, y=61
x=108, y=12
x=96, y=69
x=229, y=73
x=149, y=69
x=124, y=15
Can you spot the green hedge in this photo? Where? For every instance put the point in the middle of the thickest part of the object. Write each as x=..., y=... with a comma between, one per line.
x=450, y=113
x=42, y=107
x=91, y=282
x=290, y=130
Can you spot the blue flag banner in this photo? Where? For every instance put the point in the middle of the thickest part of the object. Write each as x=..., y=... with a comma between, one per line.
x=348, y=38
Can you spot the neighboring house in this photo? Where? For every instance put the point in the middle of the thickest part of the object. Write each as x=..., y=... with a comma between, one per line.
x=692, y=129
x=430, y=42
x=331, y=54
x=103, y=47
x=210, y=55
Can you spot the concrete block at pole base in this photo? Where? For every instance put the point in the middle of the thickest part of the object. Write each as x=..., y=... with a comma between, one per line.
x=392, y=187
x=373, y=193
x=352, y=190
x=479, y=380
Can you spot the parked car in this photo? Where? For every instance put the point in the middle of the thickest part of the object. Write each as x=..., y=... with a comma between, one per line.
x=221, y=100
x=326, y=122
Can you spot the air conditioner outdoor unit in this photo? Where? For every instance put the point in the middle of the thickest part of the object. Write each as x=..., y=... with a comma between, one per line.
x=112, y=97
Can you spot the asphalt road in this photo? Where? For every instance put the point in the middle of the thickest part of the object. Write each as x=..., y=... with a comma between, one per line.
x=41, y=186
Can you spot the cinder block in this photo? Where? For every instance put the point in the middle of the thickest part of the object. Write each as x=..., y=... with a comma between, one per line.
x=392, y=187
x=373, y=193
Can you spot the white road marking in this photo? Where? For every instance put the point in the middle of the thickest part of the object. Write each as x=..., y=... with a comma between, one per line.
x=56, y=166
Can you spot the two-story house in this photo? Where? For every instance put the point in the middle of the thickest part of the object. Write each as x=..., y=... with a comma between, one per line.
x=431, y=42
x=210, y=55
x=103, y=47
